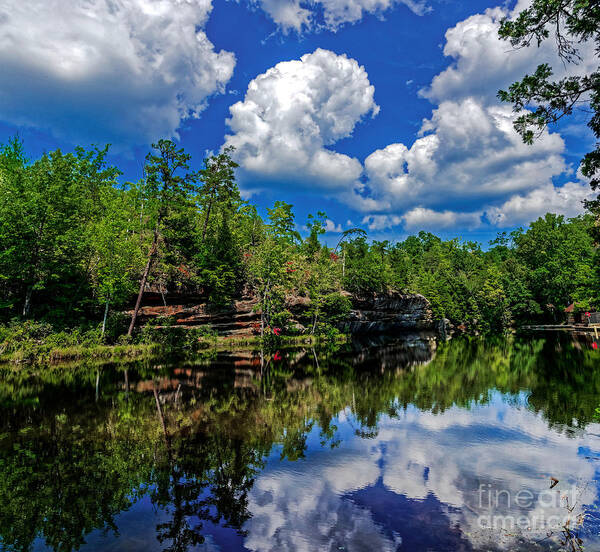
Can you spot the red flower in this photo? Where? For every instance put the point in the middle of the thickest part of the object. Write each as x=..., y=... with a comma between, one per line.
x=277, y=356
x=588, y=314
x=277, y=331
x=595, y=345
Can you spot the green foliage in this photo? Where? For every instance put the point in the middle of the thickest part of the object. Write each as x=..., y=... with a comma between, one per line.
x=47, y=209
x=365, y=269
x=173, y=339
x=31, y=340
x=336, y=307
x=559, y=257
x=530, y=276
x=541, y=101
x=76, y=244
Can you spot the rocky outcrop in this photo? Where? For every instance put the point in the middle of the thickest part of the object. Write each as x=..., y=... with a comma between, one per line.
x=390, y=312
x=238, y=319
x=376, y=313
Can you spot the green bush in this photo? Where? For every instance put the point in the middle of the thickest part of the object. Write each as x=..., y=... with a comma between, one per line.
x=173, y=338
x=30, y=338
x=336, y=308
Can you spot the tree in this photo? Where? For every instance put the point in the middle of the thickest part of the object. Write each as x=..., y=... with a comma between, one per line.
x=218, y=179
x=273, y=265
x=346, y=234
x=316, y=226
x=559, y=257
x=322, y=285
x=116, y=251
x=167, y=191
x=45, y=211
x=222, y=214
x=570, y=22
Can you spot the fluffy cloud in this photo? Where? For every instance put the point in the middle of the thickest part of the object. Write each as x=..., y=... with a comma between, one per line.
x=421, y=218
x=468, y=152
x=310, y=505
x=126, y=71
x=332, y=227
x=482, y=63
x=521, y=209
x=287, y=14
x=292, y=112
x=466, y=168
x=381, y=222
x=299, y=15
x=517, y=210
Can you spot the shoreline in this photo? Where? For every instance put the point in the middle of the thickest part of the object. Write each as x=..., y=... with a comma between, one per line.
x=136, y=351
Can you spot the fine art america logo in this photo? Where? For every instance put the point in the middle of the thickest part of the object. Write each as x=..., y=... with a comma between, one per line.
x=548, y=511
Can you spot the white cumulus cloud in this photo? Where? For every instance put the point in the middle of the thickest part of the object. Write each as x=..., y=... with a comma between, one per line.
x=381, y=222
x=468, y=153
x=521, y=209
x=482, y=63
x=299, y=15
x=123, y=71
x=332, y=227
x=292, y=112
x=467, y=166
x=421, y=218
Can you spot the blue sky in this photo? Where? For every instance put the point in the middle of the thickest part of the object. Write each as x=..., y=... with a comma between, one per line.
x=383, y=113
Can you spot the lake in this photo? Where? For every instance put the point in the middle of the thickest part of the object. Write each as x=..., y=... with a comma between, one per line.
x=391, y=444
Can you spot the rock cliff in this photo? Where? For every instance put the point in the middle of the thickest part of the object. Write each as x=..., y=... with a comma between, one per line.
x=390, y=312
x=376, y=313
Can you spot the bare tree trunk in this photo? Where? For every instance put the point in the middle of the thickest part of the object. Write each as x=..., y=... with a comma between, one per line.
x=105, y=317
x=143, y=282
x=27, y=304
x=253, y=240
x=262, y=363
x=210, y=201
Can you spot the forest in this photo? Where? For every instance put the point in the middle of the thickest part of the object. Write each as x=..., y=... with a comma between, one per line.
x=78, y=246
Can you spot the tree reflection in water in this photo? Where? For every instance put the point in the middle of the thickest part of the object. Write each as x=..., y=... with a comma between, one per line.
x=81, y=444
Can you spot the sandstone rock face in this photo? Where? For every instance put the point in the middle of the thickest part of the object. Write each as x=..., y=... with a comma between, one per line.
x=238, y=319
x=377, y=313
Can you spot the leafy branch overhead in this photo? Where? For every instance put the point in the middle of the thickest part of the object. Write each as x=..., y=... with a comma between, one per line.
x=541, y=101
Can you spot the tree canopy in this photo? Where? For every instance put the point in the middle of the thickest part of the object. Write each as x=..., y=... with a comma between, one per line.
x=76, y=244
x=541, y=100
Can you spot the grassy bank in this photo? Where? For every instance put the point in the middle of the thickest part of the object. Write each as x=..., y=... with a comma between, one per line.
x=99, y=352
x=31, y=342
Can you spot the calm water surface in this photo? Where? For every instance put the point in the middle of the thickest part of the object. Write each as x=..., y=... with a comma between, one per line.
x=394, y=445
